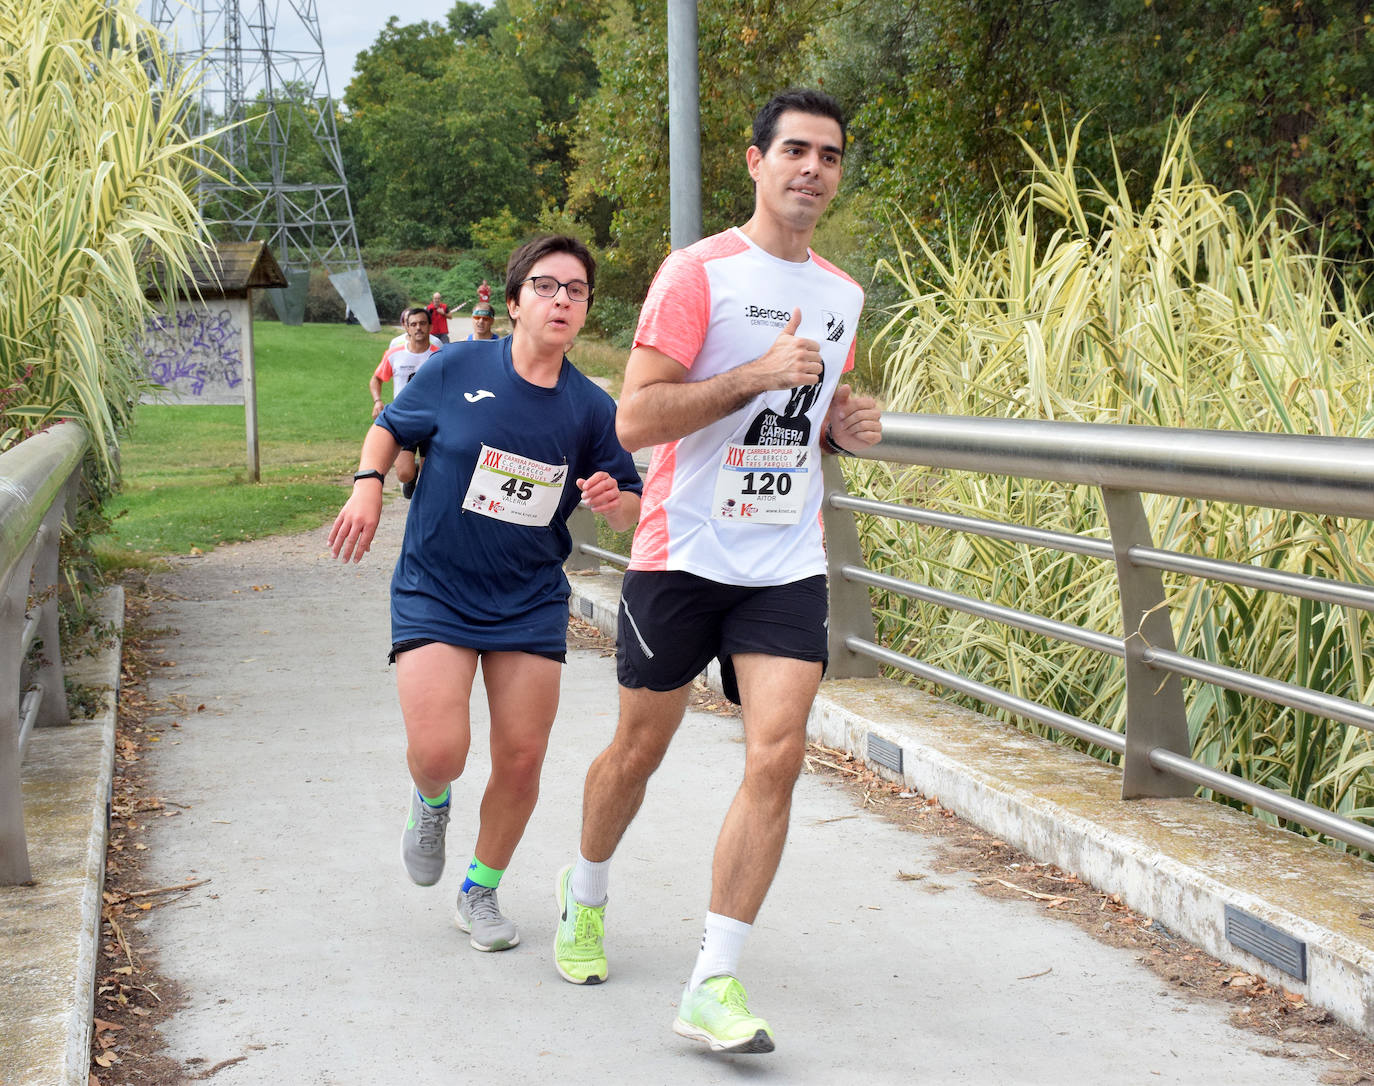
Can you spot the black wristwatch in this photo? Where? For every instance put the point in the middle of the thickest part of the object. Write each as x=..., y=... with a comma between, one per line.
x=373, y=474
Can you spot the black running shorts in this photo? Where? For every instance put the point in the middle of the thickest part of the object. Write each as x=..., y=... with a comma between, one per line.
x=671, y=624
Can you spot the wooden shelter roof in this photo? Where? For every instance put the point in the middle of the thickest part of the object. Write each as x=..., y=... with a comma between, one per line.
x=230, y=267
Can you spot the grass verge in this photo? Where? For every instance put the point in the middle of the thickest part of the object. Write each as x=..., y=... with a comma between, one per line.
x=186, y=486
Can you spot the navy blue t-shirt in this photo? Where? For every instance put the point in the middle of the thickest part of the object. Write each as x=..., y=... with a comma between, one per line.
x=467, y=579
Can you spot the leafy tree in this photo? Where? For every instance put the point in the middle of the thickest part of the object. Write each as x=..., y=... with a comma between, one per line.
x=434, y=164
x=1284, y=94
x=549, y=41
x=487, y=98
x=419, y=49
x=620, y=182
x=468, y=21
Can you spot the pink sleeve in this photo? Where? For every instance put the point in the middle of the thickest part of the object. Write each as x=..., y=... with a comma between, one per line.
x=849, y=358
x=383, y=371
x=677, y=311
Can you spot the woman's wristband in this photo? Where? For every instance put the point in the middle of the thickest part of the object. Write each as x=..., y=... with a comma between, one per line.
x=835, y=446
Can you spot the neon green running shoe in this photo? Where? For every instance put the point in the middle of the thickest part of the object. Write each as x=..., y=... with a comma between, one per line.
x=579, y=953
x=714, y=1012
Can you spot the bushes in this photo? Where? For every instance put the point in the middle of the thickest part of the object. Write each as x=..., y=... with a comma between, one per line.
x=614, y=320
x=389, y=294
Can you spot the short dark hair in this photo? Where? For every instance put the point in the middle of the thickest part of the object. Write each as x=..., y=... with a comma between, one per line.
x=800, y=100
x=406, y=314
x=525, y=257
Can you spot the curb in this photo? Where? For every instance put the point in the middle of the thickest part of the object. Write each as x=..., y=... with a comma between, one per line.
x=1186, y=863
x=50, y=930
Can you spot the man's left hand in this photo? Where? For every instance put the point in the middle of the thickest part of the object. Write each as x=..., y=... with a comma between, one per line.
x=854, y=422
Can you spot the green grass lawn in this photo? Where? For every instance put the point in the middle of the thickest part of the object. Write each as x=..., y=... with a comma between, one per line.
x=185, y=468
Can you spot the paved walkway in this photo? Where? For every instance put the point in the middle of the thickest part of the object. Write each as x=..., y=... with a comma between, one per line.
x=309, y=958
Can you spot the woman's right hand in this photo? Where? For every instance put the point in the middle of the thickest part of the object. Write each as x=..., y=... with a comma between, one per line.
x=356, y=524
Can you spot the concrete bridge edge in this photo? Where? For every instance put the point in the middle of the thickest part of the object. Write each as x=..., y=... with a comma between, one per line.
x=50, y=930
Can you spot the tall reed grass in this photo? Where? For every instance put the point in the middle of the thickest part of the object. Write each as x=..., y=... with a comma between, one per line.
x=95, y=204
x=1196, y=309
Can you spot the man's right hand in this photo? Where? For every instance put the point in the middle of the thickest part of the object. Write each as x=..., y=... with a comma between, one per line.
x=790, y=363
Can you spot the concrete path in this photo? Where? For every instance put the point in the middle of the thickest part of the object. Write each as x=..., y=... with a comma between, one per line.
x=309, y=958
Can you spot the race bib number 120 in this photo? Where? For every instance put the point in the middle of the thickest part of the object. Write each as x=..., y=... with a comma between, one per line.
x=507, y=486
x=762, y=484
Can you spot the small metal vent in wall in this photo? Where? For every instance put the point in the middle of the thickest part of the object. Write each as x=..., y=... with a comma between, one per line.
x=1266, y=942
x=884, y=753
x=586, y=606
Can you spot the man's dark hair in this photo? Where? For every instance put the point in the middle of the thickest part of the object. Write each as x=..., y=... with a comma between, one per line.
x=410, y=311
x=525, y=257
x=800, y=100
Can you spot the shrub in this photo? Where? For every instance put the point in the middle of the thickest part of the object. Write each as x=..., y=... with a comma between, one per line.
x=389, y=295
x=614, y=320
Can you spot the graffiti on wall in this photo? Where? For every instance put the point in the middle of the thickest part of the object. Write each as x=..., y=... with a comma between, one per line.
x=196, y=354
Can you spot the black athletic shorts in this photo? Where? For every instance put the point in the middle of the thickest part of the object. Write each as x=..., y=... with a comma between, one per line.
x=671, y=624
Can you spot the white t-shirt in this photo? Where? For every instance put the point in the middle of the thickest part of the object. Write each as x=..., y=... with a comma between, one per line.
x=714, y=306
x=398, y=365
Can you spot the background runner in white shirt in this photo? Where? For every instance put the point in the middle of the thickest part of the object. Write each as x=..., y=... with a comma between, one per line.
x=398, y=365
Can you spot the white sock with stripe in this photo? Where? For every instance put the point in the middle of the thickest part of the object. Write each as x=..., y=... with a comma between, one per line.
x=722, y=943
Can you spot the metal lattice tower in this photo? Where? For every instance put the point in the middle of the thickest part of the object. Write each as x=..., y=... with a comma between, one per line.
x=287, y=145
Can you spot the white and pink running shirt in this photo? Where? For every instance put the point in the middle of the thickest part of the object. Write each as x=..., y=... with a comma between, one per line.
x=714, y=306
x=398, y=365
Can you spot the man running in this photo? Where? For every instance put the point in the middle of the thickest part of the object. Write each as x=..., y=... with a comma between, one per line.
x=398, y=365
x=735, y=378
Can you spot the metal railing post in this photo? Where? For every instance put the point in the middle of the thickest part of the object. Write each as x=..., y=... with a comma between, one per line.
x=48, y=675
x=36, y=480
x=14, y=852
x=851, y=611
x=1155, y=716
x=582, y=528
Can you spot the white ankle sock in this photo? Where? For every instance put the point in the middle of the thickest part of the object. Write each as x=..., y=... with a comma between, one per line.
x=722, y=943
x=590, y=881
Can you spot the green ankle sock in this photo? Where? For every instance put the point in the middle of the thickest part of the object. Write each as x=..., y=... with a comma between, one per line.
x=479, y=874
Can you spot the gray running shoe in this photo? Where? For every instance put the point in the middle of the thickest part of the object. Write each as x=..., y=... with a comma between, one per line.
x=479, y=915
x=422, y=843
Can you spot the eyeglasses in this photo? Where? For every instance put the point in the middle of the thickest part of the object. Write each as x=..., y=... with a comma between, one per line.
x=546, y=286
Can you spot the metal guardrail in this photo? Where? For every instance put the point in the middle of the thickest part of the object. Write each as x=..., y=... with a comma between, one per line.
x=1323, y=475
x=36, y=481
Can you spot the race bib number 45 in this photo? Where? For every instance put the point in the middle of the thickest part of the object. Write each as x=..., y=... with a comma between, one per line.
x=507, y=486
x=762, y=484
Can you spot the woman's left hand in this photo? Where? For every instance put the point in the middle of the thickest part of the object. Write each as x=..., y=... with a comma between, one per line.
x=601, y=493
